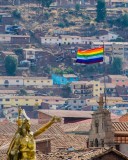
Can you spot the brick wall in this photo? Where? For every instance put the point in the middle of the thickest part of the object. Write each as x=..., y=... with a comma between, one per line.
x=44, y=146
x=43, y=118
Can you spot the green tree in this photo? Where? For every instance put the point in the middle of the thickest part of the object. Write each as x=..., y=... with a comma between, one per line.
x=22, y=92
x=116, y=66
x=77, y=7
x=57, y=71
x=10, y=65
x=69, y=70
x=61, y=24
x=66, y=91
x=101, y=11
x=16, y=13
x=123, y=21
x=45, y=3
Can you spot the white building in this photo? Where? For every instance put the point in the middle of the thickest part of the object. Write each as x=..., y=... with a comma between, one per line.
x=67, y=39
x=108, y=37
x=114, y=49
x=25, y=81
x=30, y=53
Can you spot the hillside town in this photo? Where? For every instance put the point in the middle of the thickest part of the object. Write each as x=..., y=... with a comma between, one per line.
x=85, y=104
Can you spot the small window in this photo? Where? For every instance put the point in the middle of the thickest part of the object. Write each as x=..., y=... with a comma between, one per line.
x=122, y=80
x=74, y=101
x=46, y=100
x=36, y=100
x=82, y=101
x=1, y=99
x=117, y=80
x=7, y=99
x=96, y=84
x=27, y=81
x=16, y=99
x=26, y=99
x=42, y=81
x=34, y=81
x=17, y=80
x=57, y=100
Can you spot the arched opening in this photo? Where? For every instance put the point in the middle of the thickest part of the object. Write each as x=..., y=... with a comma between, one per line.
x=96, y=142
x=102, y=143
x=91, y=143
x=6, y=83
x=97, y=126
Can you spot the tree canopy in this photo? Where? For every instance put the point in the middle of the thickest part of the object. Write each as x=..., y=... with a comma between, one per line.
x=123, y=21
x=116, y=66
x=45, y=3
x=101, y=11
x=10, y=65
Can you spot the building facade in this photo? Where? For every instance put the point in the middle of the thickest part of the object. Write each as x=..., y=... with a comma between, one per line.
x=101, y=133
x=114, y=49
x=64, y=79
x=25, y=81
x=29, y=100
x=118, y=80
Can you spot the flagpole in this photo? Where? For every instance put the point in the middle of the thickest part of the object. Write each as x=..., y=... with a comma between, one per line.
x=104, y=75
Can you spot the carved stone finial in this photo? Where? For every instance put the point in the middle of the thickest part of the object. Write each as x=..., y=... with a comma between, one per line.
x=101, y=102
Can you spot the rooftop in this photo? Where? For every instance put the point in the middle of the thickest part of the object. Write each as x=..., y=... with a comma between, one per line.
x=118, y=77
x=69, y=75
x=68, y=113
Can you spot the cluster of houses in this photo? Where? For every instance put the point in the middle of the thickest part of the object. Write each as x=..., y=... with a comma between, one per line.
x=84, y=93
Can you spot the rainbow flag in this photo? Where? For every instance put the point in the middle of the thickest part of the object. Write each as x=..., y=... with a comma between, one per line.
x=89, y=56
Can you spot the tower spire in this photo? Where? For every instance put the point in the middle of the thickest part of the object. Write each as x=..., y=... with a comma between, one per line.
x=101, y=102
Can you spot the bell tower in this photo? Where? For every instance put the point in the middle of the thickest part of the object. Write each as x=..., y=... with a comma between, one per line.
x=101, y=133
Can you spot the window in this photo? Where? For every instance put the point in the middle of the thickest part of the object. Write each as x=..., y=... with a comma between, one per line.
x=102, y=142
x=97, y=126
x=26, y=99
x=16, y=99
x=36, y=99
x=27, y=81
x=117, y=80
x=91, y=143
x=1, y=99
x=74, y=101
x=57, y=100
x=96, y=84
x=122, y=80
x=46, y=100
x=7, y=99
x=82, y=101
x=42, y=81
x=17, y=80
x=96, y=142
x=34, y=81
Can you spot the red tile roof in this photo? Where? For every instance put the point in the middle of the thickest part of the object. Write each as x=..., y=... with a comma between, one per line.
x=68, y=113
x=124, y=118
